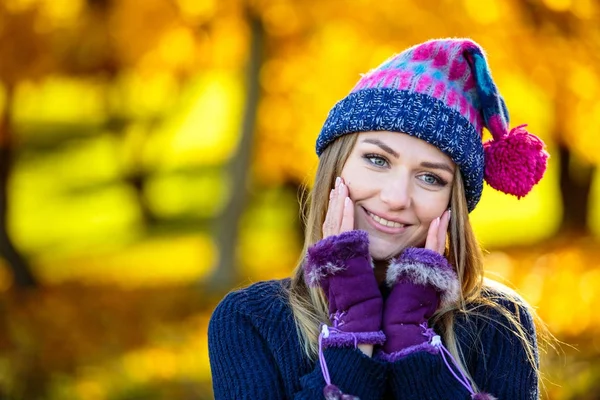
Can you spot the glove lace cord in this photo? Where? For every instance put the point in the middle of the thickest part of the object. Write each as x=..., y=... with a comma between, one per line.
x=324, y=331
x=436, y=341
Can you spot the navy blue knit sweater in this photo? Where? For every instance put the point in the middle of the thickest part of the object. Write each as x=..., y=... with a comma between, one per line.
x=255, y=354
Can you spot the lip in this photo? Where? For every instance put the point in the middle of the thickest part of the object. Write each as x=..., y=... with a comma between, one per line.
x=385, y=229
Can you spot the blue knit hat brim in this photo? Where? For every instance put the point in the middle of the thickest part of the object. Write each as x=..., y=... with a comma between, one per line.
x=416, y=114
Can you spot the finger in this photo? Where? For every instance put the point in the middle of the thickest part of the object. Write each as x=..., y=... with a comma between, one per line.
x=329, y=224
x=443, y=231
x=337, y=207
x=431, y=242
x=333, y=218
x=347, y=216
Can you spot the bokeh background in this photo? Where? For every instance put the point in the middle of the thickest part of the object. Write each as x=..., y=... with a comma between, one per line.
x=152, y=154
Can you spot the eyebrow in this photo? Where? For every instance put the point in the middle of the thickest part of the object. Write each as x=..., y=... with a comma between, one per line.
x=442, y=166
x=383, y=146
x=426, y=164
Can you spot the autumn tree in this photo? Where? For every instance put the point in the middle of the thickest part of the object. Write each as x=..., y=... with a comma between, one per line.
x=562, y=36
x=25, y=56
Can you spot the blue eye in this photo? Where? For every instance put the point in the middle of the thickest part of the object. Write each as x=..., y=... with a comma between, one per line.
x=376, y=160
x=431, y=179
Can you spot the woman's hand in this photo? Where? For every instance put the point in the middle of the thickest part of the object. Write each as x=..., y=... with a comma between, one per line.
x=340, y=211
x=436, y=236
x=340, y=219
x=421, y=280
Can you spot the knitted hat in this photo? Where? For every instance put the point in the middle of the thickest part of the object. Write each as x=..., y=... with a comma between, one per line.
x=441, y=91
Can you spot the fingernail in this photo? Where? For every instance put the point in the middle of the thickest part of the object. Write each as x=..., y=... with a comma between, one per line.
x=347, y=201
x=449, y=214
x=338, y=180
x=331, y=193
x=341, y=187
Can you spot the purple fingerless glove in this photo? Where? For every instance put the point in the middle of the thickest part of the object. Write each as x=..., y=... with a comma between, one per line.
x=341, y=266
x=421, y=280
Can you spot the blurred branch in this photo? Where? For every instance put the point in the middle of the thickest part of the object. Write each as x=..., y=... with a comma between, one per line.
x=225, y=276
x=18, y=265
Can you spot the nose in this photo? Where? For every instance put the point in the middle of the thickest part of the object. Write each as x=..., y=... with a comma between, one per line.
x=396, y=193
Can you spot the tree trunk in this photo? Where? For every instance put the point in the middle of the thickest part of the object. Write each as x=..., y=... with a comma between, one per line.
x=226, y=274
x=575, y=187
x=575, y=174
x=18, y=265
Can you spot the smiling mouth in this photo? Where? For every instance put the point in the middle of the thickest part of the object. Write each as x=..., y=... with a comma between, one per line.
x=385, y=222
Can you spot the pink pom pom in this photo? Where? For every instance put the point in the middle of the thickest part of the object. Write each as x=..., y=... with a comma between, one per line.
x=515, y=162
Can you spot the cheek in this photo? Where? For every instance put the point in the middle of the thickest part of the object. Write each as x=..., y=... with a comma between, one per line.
x=431, y=205
x=360, y=183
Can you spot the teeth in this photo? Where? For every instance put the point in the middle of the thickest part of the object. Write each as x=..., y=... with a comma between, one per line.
x=385, y=222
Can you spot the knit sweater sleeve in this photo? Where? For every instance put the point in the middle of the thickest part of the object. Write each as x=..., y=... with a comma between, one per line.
x=351, y=371
x=254, y=354
x=495, y=358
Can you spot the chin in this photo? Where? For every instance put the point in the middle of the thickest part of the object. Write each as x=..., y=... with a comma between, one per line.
x=381, y=249
x=382, y=252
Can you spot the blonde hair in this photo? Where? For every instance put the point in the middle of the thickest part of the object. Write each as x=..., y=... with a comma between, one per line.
x=309, y=305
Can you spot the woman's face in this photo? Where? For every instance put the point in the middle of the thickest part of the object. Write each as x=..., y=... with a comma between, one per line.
x=398, y=184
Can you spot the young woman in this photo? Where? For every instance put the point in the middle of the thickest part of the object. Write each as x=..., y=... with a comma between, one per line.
x=389, y=300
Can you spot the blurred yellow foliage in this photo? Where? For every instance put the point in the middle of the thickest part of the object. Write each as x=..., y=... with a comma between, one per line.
x=206, y=133
x=53, y=100
x=485, y=12
x=199, y=10
x=145, y=264
x=558, y=5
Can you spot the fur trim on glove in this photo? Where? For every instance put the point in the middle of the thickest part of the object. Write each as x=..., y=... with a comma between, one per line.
x=425, y=267
x=327, y=256
x=351, y=339
x=397, y=355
